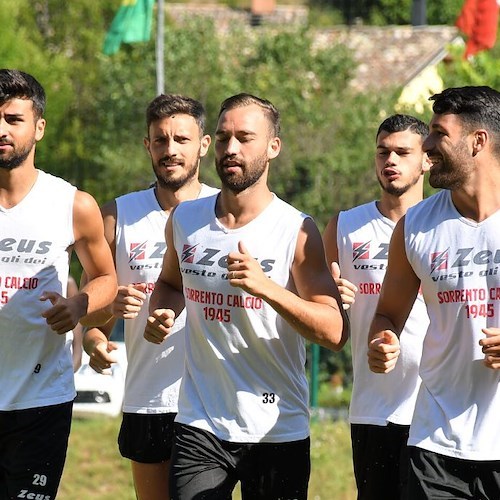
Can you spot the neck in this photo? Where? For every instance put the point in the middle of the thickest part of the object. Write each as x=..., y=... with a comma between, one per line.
x=238, y=209
x=15, y=184
x=477, y=205
x=168, y=198
x=479, y=197
x=394, y=207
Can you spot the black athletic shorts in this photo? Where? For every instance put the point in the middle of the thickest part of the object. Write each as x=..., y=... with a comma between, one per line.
x=204, y=466
x=380, y=460
x=147, y=437
x=437, y=476
x=33, y=444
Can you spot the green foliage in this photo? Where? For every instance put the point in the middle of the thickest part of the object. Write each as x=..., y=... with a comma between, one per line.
x=391, y=12
x=384, y=12
x=331, y=396
x=322, y=16
x=443, y=11
x=482, y=69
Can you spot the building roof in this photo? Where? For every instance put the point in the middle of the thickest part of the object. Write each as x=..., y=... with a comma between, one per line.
x=391, y=56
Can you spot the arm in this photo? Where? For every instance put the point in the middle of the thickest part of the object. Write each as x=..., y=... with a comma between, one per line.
x=347, y=289
x=399, y=291
x=98, y=346
x=108, y=213
x=130, y=298
x=77, y=331
x=315, y=312
x=95, y=257
x=94, y=253
x=167, y=299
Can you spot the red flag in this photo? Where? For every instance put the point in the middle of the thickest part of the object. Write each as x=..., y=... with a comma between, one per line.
x=478, y=20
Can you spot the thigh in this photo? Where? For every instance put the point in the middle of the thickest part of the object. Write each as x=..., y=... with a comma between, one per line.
x=151, y=480
x=34, y=444
x=272, y=471
x=146, y=438
x=380, y=460
x=202, y=466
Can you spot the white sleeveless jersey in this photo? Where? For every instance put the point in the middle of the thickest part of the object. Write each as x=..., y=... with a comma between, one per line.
x=363, y=236
x=458, y=263
x=244, y=379
x=35, y=362
x=154, y=371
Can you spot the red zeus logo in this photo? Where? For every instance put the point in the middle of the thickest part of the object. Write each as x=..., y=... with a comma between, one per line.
x=439, y=261
x=188, y=252
x=137, y=251
x=361, y=251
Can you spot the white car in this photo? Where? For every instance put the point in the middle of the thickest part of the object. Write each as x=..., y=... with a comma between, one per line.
x=98, y=393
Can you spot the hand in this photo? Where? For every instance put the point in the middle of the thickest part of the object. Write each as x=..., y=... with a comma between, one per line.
x=129, y=301
x=347, y=289
x=64, y=314
x=245, y=272
x=383, y=352
x=491, y=347
x=100, y=358
x=159, y=325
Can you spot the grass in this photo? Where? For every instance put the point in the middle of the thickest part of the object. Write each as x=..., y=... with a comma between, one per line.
x=95, y=470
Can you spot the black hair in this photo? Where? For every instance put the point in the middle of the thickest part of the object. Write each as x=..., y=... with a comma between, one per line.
x=15, y=84
x=166, y=105
x=400, y=123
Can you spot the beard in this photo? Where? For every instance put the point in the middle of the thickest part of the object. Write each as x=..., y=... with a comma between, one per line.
x=251, y=173
x=452, y=171
x=17, y=158
x=166, y=181
x=395, y=190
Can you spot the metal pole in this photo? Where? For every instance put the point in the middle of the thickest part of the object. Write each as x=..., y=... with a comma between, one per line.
x=419, y=13
x=160, y=44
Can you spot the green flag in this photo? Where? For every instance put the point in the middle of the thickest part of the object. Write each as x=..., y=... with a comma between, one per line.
x=132, y=23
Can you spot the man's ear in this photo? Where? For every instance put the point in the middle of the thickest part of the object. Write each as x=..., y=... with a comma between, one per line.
x=426, y=163
x=479, y=141
x=204, y=145
x=40, y=129
x=274, y=148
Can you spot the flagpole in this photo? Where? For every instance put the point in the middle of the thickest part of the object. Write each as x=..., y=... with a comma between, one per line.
x=160, y=70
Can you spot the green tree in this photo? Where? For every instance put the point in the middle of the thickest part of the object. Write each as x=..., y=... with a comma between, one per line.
x=482, y=69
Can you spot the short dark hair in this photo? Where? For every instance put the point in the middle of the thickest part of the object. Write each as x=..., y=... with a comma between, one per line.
x=477, y=107
x=243, y=99
x=400, y=123
x=15, y=84
x=166, y=105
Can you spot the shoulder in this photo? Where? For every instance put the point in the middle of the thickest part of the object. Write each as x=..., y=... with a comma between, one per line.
x=84, y=202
